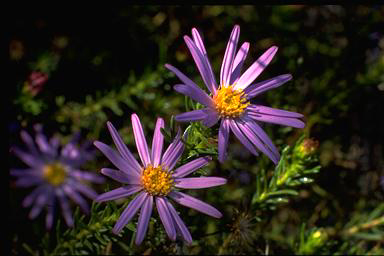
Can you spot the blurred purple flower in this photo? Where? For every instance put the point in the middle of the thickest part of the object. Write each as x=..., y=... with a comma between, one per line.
x=55, y=172
x=230, y=101
x=155, y=180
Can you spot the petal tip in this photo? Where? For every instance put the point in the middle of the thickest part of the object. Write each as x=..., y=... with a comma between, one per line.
x=301, y=125
x=287, y=77
x=138, y=241
x=134, y=116
x=187, y=38
x=218, y=215
x=209, y=158
x=115, y=231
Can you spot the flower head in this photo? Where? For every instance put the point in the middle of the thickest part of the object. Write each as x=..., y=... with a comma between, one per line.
x=229, y=101
x=156, y=180
x=55, y=172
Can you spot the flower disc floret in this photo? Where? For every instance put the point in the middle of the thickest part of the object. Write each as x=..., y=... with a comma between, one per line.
x=157, y=181
x=230, y=103
x=55, y=173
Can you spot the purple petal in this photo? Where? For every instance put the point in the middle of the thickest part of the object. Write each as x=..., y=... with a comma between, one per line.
x=171, y=148
x=24, y=172
x=194, y=115
x=192, y=166
x=259, y=109
x=226, y=67
x=41, y=200
x=200, y=62
x=223, y=140
x=122, y=148
x=211, y=119
x=179, y=223
x=87, y=176
x=181, y=76
x=194, y=93
x=120, y=176
x=263, y=136
x=258, y=88
x=50, y=215
x=87, y=191
x=28, y=200
x=240, y=136
x=118, y=193
x=145, y=215
x=54, y=142
x=28, y=181
x=77, y=198
x=157, y=143
x=71, y=155
x=200, y=45
x=277, y=120
x=115, y=158
x=69, y=149
x=170, y=159
x=255, y=69
x=129, y=212
x=238, y=62
x=199, y=182
x=195, y=203
x=66, y=210
x=44, y=146
x=252, y=136
x=29, y=142
x=141, y=143
x=27, y=158
x=166, y=217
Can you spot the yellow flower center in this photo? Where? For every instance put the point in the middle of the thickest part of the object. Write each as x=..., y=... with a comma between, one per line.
x=156, y=181
x=229, y=102
x=55, y=173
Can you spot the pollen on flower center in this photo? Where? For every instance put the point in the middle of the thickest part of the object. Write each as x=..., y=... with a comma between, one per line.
x=156, y=181
x=229, y=102
x=55, y=173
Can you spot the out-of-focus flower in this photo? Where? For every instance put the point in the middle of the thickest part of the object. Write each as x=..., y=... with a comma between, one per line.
x=307, y=147
x=230, y=100
x=55, y=172
x=16, y=50
x=155, y=179
x=60, y=42
x=36, y=81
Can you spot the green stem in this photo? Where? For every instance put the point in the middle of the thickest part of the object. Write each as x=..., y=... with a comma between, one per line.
x=367, y=225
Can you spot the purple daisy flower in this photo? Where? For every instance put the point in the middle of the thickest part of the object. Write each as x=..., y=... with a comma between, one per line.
x=230, y=100
x=155, y=179
x=55, y=172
